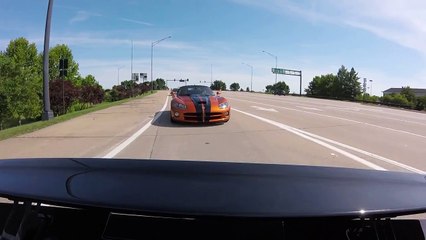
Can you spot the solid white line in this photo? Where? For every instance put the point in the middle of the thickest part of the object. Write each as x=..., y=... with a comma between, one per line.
x=132, y=138
x=334, y=117
x=390, y=161
x=324, y=144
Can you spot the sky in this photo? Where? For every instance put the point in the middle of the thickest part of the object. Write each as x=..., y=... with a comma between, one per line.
x=384, y=41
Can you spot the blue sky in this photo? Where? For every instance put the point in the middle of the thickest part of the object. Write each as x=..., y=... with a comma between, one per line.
x=384, y=43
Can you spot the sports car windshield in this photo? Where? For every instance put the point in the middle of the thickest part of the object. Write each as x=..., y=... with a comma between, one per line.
x=195, y=90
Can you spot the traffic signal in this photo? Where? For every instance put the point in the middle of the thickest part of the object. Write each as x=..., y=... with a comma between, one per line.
x=63, y=67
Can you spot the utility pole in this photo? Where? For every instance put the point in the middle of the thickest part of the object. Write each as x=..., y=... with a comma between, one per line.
x=47, y=112
x=251, y=79
x=152, y=58
x=276, y=62
x=131, y=63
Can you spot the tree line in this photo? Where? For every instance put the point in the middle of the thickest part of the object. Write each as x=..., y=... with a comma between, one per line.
x=345, y=85
x=21, y=84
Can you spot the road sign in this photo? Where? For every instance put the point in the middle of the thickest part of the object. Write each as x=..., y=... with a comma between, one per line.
x=135, y=77
x=286, y=71
x=283, y=71
x=278, y=70
x=143, y=76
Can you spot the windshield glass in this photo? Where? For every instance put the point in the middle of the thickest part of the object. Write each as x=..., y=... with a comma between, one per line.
x=195, y=90
x=313, y=83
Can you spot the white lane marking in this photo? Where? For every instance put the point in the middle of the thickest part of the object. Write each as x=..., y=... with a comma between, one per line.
x=389, y=111
x=378, y=157
x=340, y=118
x=132, y=138
x=381, y=117
x=264, y=109
x=322, y=143
x=310, y=108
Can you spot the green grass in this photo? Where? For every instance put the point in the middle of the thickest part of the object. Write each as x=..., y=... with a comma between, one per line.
x=31, y=127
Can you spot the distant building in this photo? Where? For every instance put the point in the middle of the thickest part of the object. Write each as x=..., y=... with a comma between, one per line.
x=419, y=92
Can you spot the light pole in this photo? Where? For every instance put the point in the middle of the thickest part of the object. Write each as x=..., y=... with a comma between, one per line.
x=131, y=61
x=251, y=79
x=371, y=87
x=118, y=75
x=276, y=62
x=47, y=112
x=152, y=56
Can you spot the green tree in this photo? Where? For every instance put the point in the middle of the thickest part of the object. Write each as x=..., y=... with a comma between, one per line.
x=89, y=80
x=218, y=85
x=346, y=85
x=55, y=54
x=420, y=103
x=160, y=84
x=247, y=89
x=396, y=99
x=280, y=88
x=321, y=85
x=4, y=104
x=234, y=86
x=21, y=80
x=268, y=89
x=409, y=94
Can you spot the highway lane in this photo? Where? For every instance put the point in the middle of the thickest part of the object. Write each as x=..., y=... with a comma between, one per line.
x=263, y=128
x=334, y=133
x=397, y=135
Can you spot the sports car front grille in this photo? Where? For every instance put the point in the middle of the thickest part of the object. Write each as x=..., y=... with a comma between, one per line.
x=199, y=116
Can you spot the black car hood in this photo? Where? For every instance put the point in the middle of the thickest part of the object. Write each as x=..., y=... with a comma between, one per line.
x=213, y=189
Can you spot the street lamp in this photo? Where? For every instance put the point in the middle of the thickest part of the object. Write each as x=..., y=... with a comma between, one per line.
x=251, y=80
x=152, y=56
x=371, y=87
x=47, y=112
x=118, y=75
x=276, y=62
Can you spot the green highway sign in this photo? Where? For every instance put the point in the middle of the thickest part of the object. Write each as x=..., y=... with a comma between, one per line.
x=286, y=71
x=278, y=70
x=297, y=73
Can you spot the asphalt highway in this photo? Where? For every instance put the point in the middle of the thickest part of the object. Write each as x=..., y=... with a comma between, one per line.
x=263, y=129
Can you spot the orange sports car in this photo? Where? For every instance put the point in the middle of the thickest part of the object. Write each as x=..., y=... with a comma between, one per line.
x=198, y=104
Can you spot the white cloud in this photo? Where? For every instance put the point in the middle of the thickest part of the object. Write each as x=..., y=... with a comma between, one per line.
x=136, y=21
x=89, y=40
x=82, y=16
x=400, y=21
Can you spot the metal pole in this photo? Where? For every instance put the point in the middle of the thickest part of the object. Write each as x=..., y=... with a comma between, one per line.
x=63, y=95
x=276, y=66
x=131, y=63
x=371, y=87
x=276, y=62
x=152, y=53
x=251, y=80
x=300, y=91
x=47, y=112
x=152, y=57
x=118, y=76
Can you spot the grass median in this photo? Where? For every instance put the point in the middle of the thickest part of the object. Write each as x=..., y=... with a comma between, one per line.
x=31, y=127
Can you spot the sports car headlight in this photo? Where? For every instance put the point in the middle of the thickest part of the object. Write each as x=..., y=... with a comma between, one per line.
x=223, y=105
x=179, y=105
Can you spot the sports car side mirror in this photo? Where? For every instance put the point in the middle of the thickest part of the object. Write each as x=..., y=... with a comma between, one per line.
x=217, y=93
